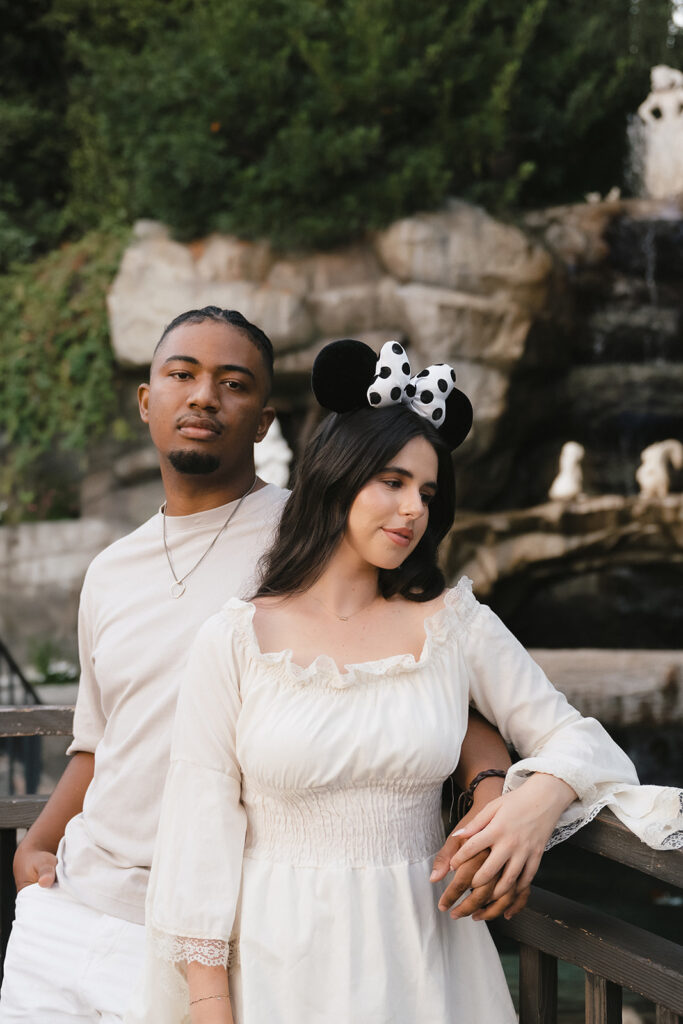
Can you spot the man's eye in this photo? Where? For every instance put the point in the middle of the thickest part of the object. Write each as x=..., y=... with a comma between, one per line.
x=234, y=385
x=180, y=374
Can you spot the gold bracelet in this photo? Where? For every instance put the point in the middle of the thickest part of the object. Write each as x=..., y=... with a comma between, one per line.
x=200, y=999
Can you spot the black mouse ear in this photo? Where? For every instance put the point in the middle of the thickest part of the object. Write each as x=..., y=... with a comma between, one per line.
x=342, y=373
x=458, y=419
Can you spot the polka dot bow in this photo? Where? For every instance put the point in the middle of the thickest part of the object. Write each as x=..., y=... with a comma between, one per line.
x=425, y=393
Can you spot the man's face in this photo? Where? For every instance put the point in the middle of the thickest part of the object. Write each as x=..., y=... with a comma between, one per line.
x=204, y=403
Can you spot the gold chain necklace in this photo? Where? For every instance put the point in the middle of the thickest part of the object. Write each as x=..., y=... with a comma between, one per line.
x=178, y=586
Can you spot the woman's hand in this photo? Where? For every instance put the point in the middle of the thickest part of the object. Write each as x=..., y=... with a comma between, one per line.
x=480, y=902
x=514, y=829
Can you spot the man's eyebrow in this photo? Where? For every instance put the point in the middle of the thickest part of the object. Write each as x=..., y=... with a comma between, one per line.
x=224, y=367
x=406, y=473
x=181, y=359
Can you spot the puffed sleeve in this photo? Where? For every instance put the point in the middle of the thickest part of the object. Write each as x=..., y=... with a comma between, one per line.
x=513, y=692
x=197, y=866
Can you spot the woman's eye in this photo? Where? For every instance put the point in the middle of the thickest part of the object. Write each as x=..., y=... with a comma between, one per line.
x=427, y=499
x=394, y=484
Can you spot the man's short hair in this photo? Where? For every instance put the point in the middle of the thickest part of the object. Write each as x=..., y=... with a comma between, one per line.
x=232, y=318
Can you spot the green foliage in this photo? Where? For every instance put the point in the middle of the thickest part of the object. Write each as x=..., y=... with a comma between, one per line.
x=59, y=390
x=311, y=121
x=47, y=665
x=587, y=72
x=34, y=145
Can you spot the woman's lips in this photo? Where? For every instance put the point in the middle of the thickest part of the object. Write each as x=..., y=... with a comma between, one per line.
x=400, y=537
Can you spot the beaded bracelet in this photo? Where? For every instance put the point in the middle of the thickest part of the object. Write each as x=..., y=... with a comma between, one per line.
x=466, y=798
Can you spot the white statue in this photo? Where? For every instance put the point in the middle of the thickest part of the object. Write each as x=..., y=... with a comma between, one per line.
x=661, y=133
x=273, y=456
x=652, y=474
x=568, y=484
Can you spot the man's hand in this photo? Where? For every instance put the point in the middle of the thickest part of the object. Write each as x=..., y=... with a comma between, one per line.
x=31, y=866
x=481, y=903
x=35, y=859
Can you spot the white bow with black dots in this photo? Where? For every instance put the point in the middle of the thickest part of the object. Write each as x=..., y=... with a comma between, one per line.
x=425, y=393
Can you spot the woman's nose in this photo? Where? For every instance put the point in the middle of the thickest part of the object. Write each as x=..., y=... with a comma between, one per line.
x=412, y=504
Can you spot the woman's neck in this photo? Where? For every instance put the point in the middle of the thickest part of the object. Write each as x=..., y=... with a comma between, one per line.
x=346, y=585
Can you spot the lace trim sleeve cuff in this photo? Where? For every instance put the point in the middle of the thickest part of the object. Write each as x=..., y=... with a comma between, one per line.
x=179, y=949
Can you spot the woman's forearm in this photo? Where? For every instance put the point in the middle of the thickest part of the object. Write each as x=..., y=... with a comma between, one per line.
x=209, y=998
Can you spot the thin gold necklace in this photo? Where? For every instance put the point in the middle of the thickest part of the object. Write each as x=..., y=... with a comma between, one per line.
x=343, y=618
x=178, y=585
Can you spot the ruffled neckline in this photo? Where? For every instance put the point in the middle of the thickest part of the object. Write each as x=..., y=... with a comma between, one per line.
x=447, y=623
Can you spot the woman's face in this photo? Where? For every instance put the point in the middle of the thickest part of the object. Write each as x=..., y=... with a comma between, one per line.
x=389, y=515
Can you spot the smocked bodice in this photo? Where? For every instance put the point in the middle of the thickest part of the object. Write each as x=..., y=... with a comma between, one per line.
x=353, y=827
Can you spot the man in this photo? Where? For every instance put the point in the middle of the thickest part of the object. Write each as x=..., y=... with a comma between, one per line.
x=77, y=943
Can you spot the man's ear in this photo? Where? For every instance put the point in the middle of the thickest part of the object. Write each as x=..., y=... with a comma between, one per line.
x=267, y=417
x=143, y=402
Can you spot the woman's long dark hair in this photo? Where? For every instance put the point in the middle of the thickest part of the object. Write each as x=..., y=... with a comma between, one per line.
x=347, y=450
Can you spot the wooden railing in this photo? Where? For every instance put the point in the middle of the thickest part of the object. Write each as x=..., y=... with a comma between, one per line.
x=21, y=754
x=614, y=954
x=19, y=812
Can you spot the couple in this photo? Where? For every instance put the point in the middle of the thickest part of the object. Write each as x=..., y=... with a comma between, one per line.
x=315, y=723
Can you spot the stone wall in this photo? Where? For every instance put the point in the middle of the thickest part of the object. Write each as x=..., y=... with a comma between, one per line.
x=42, y=566
x=566, y=326
x=454, y=286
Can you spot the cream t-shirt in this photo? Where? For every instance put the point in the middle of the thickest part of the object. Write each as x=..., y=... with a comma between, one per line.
x=133, y=640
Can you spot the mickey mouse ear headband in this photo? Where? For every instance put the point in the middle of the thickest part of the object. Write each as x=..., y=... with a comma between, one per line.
x=348, y=375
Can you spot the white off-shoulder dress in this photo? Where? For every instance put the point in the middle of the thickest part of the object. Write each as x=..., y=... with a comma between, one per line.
x=302, y=812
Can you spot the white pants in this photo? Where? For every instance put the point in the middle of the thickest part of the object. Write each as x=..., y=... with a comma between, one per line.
x=67, y=963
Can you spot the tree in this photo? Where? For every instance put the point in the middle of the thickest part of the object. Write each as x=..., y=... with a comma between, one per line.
x=314, y=121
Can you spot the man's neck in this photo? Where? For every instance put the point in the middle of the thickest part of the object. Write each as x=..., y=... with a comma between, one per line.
x=187, y=494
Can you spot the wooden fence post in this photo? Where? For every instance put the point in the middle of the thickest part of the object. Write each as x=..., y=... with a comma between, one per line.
x=537, y=987
x=603, y=1000
x=665, y=1016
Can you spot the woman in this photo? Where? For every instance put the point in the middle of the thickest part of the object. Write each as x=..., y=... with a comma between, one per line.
x=315, y=730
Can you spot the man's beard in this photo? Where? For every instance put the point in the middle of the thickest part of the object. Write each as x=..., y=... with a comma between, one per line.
x=193, y=463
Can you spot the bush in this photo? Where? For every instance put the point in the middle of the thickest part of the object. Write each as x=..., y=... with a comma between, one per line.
x=59, y=390
x=310, y=122
x=313, y=121
x=34, y=144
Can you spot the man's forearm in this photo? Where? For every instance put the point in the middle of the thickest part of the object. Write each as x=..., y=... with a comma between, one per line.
x=65, y=802
x=482, y=748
